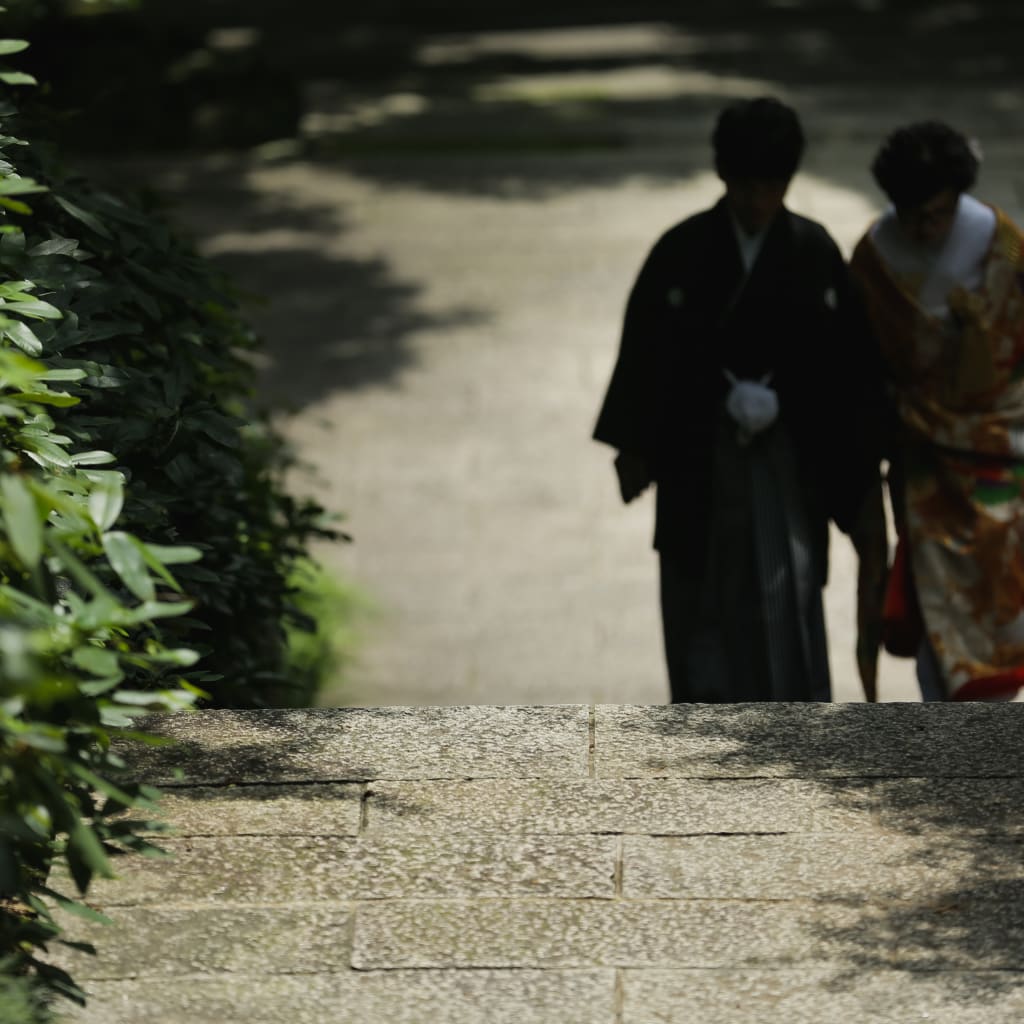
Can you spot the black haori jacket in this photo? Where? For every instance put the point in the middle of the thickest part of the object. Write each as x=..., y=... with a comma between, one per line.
x=688, y=320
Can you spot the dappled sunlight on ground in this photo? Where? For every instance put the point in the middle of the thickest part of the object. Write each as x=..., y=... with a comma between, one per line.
x=439, y=260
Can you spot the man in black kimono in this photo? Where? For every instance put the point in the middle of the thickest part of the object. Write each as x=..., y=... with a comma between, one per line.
x=735, y=394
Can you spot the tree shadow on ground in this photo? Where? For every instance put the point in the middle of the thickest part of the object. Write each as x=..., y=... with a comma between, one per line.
x=952, y=774
x=451, y=79
x=329, y=322
x=330, y=325
x=278, y=746
x=506, y=101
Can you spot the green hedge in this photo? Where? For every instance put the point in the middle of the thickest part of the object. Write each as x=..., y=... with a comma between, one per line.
x=69, y=643
x=146, y=540
x=166, y=385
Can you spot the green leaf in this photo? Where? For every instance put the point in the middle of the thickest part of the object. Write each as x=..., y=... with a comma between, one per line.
x=40, y=741
x=59, y=399
x=67, y=496
x=22, y=336
x=94, y=458
x=119, y=718
x=21, y=519
x=16, y=290
x=75, y=907
x=106, y=499
x=55, y=247
x=17, y=186
x=9, y=46
x=156, y=565
x=112, y=329
x=181, y=470
x=86, y=857
x=45, y=452
x=34, y=308
x=137, y=698
x=97, y=661
x=127, y=560
x=177, y=555
x=69, y=374
x=183, y=657
x=26, y=831
x=16, y=78
x=100, y=784
x=15, y=204
x=37, y=612
x=223, y=430
x=87, y=218
x=97, y=687
x=154, y=610
x=99, y=612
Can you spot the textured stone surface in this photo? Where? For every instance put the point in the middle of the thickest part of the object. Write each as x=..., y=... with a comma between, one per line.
x=773, y=856
x=313, y=869
x=395, y=997
x=582, y=933
x=263, y=810
x=147, y=942
x=542, y=806
x=332, y=745
x=921, y=806
x=672, y=806
x=816, y=740
x=823, y=867
x=812, y=997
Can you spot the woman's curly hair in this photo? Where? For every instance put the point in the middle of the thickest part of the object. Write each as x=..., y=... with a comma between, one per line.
x=918, y=161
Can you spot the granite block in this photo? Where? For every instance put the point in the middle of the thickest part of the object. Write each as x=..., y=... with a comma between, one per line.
x=170, y=942
x=286, y=810
x=813, y=996
x=822, y=867
x=809, y=740
x=594, y=933
x=356, y=744
x=358, y=997
x=578, y=807
x=306, y=869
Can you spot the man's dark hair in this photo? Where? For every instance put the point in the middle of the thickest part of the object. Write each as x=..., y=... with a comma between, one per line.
x=759, y=138
x=917, y=162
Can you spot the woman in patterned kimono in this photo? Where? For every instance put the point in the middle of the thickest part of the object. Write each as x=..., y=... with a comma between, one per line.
x=943, y=280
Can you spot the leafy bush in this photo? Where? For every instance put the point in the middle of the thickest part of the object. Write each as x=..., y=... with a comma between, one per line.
x=165, y=384
x=80, y=603
x=143, y=529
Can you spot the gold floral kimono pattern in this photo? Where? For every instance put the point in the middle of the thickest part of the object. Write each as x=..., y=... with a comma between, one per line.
x=959, y=391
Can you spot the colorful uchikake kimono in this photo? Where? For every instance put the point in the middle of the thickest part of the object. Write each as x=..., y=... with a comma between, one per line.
x=957, y=479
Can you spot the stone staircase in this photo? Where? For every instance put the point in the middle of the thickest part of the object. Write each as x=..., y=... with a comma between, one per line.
x=573, y=865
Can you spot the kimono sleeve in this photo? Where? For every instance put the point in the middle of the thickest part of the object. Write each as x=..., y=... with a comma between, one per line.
x=628, y=420
x=856, y=393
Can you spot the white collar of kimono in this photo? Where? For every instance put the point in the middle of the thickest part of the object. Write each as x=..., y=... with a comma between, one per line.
x=749, y=245
x=959, y=261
